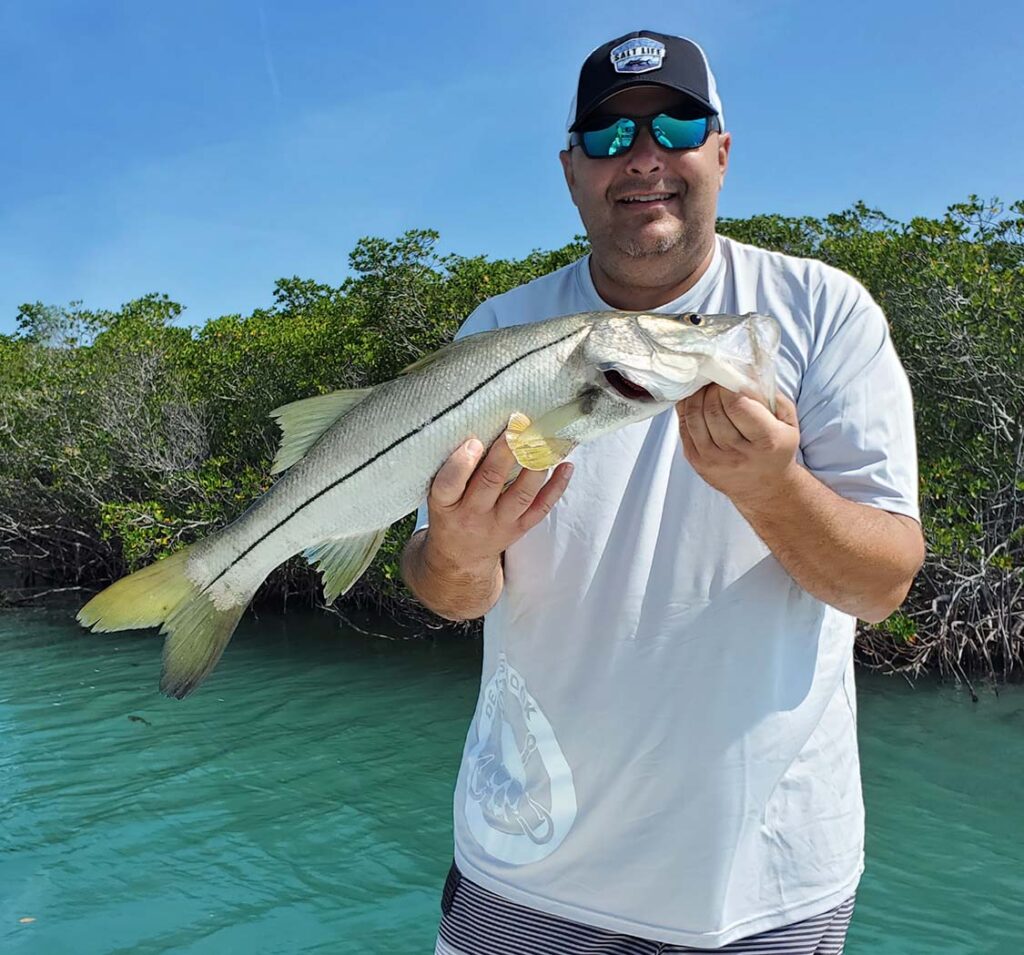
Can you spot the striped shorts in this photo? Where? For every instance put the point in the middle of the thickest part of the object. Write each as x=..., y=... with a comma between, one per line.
x=475, y=921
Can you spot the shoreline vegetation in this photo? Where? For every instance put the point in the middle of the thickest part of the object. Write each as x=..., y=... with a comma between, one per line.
x=124, y=436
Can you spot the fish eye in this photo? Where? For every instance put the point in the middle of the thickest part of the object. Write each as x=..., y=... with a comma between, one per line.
x=695, y=319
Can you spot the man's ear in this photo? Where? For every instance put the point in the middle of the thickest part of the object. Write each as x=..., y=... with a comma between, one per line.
x=565, y=156
x=724, y=145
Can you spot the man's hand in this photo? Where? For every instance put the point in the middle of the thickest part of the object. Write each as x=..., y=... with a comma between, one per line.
x=853, y=556
x=737, y=445
x=472, y=516
x=455, y=569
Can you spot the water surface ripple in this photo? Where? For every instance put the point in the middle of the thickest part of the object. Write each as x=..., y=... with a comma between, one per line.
x=299, y=802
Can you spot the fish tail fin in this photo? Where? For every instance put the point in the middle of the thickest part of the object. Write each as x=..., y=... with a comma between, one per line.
x=197, y=629
x=143, y=599
x=196, y=635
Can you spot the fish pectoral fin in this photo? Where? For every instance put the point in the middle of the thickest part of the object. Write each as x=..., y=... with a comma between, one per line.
x=535, y=444
x=343, y=560
x=303, y=422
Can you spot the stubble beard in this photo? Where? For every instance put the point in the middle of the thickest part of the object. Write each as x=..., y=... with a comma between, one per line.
x=634, y=249
x=658, y=261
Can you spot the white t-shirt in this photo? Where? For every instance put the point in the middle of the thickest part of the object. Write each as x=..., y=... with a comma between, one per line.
x=665, y=742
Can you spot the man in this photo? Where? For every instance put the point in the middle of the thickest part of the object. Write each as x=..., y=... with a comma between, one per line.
x=663, y=755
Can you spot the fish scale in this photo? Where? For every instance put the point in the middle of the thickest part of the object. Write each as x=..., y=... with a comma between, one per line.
x=365, y=459
x=398, y=479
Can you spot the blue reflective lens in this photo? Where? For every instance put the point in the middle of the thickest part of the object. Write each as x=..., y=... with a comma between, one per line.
x=669, y=132
x=611, y=140
x=675, y=133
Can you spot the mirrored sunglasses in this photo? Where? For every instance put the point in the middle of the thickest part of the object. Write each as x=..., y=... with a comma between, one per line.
x=602, y=138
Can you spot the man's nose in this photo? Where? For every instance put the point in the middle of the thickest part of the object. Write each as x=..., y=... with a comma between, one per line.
x=645, y=157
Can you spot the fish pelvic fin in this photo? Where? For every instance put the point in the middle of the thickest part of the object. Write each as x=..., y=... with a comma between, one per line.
x=343, y=560
x=163, y=594
x=304, y=422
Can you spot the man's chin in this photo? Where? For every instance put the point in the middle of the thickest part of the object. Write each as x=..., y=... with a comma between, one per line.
x=651, y=241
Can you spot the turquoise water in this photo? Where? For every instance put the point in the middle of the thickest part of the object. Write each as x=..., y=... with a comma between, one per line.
x=300, y=801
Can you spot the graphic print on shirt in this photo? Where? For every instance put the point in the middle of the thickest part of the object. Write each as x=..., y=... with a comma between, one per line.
x=520, y=799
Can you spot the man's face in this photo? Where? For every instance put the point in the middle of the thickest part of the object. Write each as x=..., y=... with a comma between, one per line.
x=632, y=239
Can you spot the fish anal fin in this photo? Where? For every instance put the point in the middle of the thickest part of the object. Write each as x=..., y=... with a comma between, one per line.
x=343, y=560
x=303, y=422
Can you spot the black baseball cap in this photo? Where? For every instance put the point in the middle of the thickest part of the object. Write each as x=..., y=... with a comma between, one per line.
x=644, y=58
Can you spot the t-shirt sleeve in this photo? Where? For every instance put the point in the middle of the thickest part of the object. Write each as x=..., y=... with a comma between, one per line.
x=857, y=415
x=482, y=319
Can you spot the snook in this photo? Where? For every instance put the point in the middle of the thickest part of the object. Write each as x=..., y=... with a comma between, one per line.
x=357, y=461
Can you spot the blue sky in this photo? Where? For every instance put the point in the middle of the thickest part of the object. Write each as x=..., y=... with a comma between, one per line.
x=205, y=149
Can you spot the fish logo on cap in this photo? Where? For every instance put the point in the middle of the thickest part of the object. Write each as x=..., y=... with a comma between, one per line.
x=638, y=55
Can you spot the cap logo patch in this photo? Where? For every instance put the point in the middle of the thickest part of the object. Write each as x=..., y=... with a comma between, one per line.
x=638, y=55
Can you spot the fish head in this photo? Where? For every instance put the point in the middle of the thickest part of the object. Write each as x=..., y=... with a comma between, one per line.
x=665, y=358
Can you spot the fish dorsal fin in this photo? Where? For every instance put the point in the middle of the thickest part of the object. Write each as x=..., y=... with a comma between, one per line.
x=427, y=360
x=303, y=422
x=534, y=443
x=342, y=560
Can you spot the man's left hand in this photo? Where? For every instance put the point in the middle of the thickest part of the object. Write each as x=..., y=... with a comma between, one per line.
x=737, y=445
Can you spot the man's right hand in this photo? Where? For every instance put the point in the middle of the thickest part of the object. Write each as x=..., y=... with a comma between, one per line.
x=455, y=569
x=472, y=516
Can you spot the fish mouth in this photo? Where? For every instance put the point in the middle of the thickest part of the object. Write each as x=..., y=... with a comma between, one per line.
x=628, y=389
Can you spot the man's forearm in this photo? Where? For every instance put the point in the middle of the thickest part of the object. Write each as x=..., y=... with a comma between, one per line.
x=858, y=558
x=452, y=589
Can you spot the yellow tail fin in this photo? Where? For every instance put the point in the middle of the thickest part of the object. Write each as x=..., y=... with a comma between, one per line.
x=163, y=595
x=197, y=633
x=143, y=599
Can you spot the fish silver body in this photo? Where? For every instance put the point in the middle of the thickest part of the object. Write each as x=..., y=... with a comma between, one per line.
x=568, y=380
